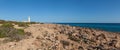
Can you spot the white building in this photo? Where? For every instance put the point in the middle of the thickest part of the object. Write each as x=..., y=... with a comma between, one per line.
x=28, y=20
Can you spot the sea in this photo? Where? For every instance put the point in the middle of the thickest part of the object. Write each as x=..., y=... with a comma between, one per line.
x=111, y=27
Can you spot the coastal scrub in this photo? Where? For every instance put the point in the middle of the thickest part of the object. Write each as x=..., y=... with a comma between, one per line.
x=8, y=31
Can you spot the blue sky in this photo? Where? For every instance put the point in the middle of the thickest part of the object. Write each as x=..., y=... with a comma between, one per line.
x=75, y=11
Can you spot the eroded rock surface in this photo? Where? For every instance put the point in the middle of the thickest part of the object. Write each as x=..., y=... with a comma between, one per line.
x=63, y=37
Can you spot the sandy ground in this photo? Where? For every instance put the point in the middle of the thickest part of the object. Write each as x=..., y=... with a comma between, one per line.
x=17, y=27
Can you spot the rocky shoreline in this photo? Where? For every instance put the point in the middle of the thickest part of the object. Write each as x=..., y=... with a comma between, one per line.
x=64, y=37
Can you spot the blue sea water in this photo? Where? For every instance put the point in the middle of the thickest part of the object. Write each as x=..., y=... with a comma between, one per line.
x=111, y=27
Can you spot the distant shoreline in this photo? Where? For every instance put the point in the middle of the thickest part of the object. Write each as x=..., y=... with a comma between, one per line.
x=109, y=27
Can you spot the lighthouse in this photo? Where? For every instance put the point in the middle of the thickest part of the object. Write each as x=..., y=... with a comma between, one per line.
x=29, y=19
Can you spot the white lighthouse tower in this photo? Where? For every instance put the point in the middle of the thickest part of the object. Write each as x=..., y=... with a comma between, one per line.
x=29, y=19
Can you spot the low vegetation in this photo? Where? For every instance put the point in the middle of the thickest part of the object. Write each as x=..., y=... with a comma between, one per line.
x=22, y=24
x=7, y=25
x=11, y=33
x=8, y=31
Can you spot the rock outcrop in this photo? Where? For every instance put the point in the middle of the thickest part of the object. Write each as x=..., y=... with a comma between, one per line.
x=64, y=37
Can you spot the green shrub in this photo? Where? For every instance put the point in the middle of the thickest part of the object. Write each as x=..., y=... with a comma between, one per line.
x=4, y=31
x=2, y=35
x=2, y=21
x=12, y=33
x=32, y=22
x=20, y=31
x=7, y=25
x=22, y=24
